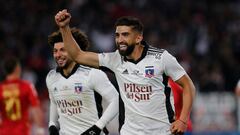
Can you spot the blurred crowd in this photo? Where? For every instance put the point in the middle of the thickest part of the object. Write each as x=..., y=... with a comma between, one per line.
x=203, y=35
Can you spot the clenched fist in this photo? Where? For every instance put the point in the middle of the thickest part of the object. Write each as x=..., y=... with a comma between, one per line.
x=62, y=18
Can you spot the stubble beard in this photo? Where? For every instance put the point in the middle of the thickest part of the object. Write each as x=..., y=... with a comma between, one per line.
x=65, y=65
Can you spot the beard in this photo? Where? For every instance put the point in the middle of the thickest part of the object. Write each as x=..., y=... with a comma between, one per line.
x=64, y=65
x=128, y=51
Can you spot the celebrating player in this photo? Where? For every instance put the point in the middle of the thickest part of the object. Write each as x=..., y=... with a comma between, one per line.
x=74, y=104
x=139, y=70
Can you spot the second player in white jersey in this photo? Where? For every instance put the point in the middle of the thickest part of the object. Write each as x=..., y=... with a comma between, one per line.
x=73, y=101
x=74, y=109
x=142, y=90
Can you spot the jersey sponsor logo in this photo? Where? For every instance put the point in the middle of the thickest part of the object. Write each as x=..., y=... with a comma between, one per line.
x=69, y=107
x=149, y=71
x=137, y=92
x=78, y=88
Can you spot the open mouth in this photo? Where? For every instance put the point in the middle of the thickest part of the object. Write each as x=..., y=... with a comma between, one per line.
x=122, y=47
x=60, y=61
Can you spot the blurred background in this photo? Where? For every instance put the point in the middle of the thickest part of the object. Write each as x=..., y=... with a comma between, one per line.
x=204, y=35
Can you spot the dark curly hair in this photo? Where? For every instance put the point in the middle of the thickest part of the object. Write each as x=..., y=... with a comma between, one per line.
x=131, y=21
x=79, y=37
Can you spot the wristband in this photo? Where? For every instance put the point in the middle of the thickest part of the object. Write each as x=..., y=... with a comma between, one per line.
x=182, y=122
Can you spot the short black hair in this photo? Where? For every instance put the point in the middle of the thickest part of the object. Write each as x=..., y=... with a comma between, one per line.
x=78, y=35
x=9, y=64
x=134, y=22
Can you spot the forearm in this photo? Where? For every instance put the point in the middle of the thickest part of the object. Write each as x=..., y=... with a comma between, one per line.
x=38, y=120
x=37, y=116
x=110, y=112
x=69, y=43
x=53, y=115
x=75, y=52
x=188, y=97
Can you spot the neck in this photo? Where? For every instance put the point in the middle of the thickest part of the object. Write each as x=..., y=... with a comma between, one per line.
x=137, y=52
x=12, y=77
x=68, y=70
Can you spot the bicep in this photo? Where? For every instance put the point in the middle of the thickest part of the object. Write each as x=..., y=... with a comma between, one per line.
x=185, y=82
x=88, y=59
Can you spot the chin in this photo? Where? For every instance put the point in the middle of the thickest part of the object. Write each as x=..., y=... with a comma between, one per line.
x=123, y=53
x=61, y=65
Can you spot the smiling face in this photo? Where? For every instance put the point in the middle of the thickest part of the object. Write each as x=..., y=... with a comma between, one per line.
x=61, y=56
x=126, y=39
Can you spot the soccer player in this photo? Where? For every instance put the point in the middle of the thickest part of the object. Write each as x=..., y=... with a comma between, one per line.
x=17, y=99
x=178, y=100
x=73, y=89
x=139, y=70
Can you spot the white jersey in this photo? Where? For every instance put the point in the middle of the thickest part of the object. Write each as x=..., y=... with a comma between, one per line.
x=73, y=97
x=142, y=89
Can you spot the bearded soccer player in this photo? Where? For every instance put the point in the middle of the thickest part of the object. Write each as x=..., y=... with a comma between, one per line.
x=139, y=70
x=73, y=88
x=17, y=98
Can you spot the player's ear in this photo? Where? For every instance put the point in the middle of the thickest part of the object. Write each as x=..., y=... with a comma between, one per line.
x=139, y=38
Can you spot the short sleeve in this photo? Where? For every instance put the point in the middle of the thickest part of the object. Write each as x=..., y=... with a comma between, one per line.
x=109, y=60
x=171, y=66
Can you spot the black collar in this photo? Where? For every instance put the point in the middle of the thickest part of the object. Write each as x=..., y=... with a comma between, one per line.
x=144, y=53
x=60, y=70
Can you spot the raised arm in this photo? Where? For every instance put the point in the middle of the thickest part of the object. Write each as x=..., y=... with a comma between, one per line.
x=62, y=19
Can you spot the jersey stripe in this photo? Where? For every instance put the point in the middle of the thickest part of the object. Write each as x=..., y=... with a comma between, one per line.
x=167, y=92
x=98, y=99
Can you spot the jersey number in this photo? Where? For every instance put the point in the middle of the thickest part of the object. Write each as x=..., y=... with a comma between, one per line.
x=12, y=102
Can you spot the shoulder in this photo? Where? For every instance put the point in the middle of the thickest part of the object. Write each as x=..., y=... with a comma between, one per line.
x=155, y=52
x=27, y=86
x=111, y=55
x=25, y=82
x=83, y=69
x=52, y=74
x=92, y=72
x=96, y=72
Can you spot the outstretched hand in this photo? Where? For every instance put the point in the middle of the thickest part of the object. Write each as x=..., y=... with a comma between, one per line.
x=62, y=18
x=94, y=130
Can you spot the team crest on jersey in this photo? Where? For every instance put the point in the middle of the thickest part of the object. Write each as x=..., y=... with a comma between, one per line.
x=78, y=88
x=149, y=71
